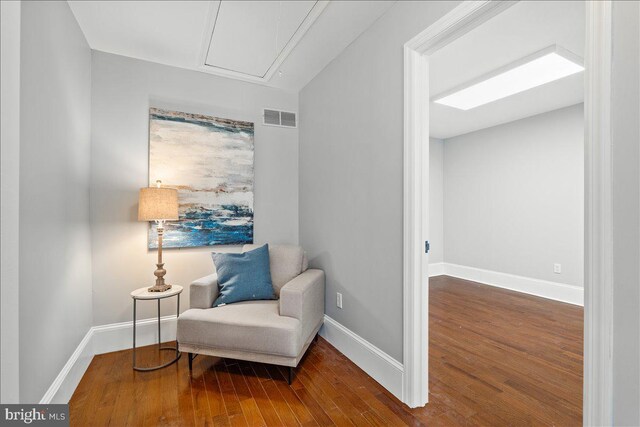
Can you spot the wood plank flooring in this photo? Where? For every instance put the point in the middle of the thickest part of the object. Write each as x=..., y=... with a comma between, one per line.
x=497, y=358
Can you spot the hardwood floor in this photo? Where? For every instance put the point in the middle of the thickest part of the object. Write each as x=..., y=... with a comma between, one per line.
x=496, y=358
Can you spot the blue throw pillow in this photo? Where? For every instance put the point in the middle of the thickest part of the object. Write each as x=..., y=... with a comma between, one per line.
x=243, y=277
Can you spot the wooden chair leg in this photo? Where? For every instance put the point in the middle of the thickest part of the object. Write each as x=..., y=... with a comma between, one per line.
x=190, y=355
x=290, y=375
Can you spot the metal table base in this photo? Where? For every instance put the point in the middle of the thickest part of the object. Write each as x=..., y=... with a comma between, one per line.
x=178, y=354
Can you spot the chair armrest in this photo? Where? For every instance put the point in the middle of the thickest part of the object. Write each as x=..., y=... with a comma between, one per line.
x=303, y=298
x=203, y=292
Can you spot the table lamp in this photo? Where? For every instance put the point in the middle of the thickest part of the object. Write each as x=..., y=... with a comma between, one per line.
x=158, y=204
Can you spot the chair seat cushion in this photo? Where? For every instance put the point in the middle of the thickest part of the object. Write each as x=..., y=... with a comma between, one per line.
x=252, y=326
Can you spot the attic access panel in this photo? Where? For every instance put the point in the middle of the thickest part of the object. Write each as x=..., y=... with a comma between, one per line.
x=252, y=38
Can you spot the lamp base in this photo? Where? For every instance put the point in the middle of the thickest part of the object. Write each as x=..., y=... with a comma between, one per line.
x=159, y=288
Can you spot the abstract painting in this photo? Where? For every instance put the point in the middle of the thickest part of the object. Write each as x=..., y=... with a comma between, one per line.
x=210, y=161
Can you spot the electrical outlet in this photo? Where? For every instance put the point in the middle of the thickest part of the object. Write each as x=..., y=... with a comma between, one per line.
x=557, y=268
x=339, y=300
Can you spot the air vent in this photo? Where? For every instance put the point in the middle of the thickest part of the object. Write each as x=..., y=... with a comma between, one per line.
x=272, y=117
x=284, y=119
x=288, y=119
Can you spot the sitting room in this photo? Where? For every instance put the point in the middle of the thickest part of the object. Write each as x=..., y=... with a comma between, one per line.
x=217, y=213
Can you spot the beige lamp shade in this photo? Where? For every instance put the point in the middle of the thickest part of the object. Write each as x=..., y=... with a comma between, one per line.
x=158, y=204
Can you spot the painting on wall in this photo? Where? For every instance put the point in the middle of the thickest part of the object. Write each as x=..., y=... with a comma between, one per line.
x=210, y=161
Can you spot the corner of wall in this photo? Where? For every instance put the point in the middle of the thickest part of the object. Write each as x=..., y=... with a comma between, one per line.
x=10, y=14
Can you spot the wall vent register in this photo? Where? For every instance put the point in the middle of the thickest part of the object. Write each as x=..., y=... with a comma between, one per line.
x=285, y=119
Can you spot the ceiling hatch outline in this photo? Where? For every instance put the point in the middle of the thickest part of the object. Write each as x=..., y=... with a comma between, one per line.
x=212, y=18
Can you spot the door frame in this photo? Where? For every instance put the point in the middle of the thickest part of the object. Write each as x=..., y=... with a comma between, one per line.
x=598, y=281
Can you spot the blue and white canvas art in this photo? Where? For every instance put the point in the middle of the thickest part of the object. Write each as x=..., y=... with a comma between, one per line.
x=210, y=161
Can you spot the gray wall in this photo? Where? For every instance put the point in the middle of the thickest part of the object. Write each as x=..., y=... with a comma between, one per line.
x=122, y=90
x=55, y=247
x=514, y=197
x=351, y=125
x=10, y=200
x=436, y=200
x=626, y=213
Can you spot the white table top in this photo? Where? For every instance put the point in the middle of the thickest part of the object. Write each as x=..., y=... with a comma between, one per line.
x=143, y=293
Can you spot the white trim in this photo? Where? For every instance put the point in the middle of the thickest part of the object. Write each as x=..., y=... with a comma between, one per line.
x=376, y=363
x=598, y=315
x=69, y=377
x=459, y=21
x=541, y=288
x=436, y=269
x=462, y=19
x=314, y=13
x=105, y=339
x=415, y=293
x=119, y=336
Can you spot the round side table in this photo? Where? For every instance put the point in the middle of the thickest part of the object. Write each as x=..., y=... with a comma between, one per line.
x=144, y=294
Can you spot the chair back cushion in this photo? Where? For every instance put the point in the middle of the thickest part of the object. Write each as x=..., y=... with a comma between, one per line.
x=286, y=261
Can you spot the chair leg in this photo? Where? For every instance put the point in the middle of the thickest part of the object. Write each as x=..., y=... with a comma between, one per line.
x=190, y=355
x=290, y=375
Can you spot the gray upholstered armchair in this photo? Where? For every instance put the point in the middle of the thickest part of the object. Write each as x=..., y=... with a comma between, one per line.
x=275, y=331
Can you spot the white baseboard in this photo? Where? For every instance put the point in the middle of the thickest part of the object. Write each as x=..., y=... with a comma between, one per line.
x=436, y=269
x=376, y=363
x=105, y=339
x=541, y=288
x=119, y=336
x=69, y=377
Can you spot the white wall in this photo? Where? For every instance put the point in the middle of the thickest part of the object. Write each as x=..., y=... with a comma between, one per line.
x=123, y=89
x=626, y=213
x=436, y=201
x=351, y=139
x=10, y=203
x=514, y=197
x=55, y=248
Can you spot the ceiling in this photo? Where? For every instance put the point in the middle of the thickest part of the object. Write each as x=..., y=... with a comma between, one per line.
x=520, y=30
x=281, y=44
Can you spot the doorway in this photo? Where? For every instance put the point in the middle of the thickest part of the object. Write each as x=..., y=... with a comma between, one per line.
x=597, y=263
